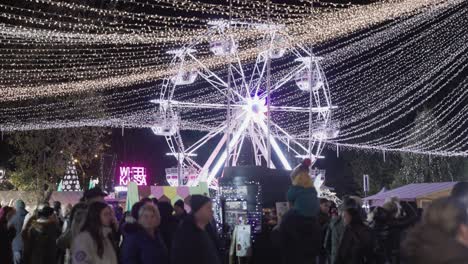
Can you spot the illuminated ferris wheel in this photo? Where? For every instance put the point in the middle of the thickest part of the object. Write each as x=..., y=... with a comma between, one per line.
x=233, y=81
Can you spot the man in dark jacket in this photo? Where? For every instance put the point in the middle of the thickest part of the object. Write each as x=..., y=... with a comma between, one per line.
x=179, y=210
x=40, y=242
x=17, y=222
x=356, y=243
x=192, y=243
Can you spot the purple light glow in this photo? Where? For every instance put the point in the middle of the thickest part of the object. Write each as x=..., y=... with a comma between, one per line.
x=134, y=174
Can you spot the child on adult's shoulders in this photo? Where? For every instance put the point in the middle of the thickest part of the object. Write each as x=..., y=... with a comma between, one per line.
x=302, y=194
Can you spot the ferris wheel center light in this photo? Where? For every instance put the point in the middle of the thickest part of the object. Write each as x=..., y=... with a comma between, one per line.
x=256, y=107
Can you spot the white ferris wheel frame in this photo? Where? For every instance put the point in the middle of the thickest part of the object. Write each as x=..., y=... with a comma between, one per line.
x=247, y=111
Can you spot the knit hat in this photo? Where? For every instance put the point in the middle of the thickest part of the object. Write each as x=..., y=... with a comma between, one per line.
x=20, y=204
x=198, y=201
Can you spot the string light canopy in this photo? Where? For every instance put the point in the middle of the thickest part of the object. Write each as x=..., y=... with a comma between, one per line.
x=54, y=48
x=70, y=64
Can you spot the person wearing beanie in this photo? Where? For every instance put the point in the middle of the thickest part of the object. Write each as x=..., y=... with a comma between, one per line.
x=192, y=242
x=17, y=222
x=300, y=232
x=40, y=241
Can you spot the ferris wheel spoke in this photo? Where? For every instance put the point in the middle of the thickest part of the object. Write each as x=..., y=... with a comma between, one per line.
x=258, y=139
x=233, y=141
x=301, y=109
x=237, y=150
x=286, y=78
x=297, y=48
x=240, y=71
x=275, y=145
x=212, y=78
x=193, y=163
x=257, y=71
x=206, y=138
x=288, y=136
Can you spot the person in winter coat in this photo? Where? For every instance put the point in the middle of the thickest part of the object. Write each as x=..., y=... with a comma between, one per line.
x=389, y=225
x=95, y=242
x=441, y=236
x=300, y=232
x=324, y=221
x=130, y=224
x=334, y=235
x=40, y=242
x=179, y=210
x=192, y=243
x=356, y=244
x=169, y=224
x=145, y=245
x=7, y=233
x=76, y=220
x=17, y=222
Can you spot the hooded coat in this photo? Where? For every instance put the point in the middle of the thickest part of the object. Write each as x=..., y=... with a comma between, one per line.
x=40, y=245
x=426, y=245
x=17, y=222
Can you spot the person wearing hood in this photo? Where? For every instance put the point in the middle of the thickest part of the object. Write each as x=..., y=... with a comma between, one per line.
x=40, y=244
x=441, y=237
x=145, y=245
x=17, y=222
x=192, y=242
x=95, y=244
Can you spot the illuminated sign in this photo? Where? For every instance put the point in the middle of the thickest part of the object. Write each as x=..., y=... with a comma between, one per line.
x=134, y=174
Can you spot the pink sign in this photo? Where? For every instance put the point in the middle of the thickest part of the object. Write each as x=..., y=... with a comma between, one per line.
x=134, y=174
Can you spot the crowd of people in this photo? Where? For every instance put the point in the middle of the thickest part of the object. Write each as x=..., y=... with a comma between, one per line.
x=318, y=231
x=313, y=231
x=94, y=232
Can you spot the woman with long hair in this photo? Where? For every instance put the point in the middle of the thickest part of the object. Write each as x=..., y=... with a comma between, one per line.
x=95, y=243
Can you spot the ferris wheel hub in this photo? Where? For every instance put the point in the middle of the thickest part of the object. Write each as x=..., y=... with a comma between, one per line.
x=256, y=108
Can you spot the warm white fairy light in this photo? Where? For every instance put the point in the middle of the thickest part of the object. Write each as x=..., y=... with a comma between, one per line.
x=97, y=61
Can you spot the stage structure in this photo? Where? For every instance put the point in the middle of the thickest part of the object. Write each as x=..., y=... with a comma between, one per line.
x=246, y=101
